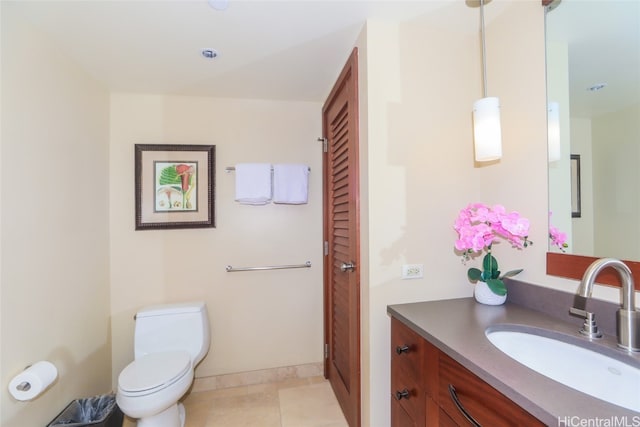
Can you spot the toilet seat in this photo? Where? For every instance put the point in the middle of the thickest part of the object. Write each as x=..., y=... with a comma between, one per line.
x=153, y=372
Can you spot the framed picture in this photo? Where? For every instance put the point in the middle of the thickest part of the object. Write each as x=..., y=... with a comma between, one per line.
x=175, y=186
x=576, y=208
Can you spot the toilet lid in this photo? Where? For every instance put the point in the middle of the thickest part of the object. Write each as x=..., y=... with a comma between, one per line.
x=154, y=370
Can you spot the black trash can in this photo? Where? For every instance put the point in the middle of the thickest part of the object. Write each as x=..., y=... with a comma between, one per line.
x=97, y=411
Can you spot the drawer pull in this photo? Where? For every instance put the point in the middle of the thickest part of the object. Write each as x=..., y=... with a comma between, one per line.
x=402, y=349
x=402, y=394
x=454, y=397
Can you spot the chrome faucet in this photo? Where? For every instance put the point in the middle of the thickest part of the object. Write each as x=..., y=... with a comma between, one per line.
x=628, y=319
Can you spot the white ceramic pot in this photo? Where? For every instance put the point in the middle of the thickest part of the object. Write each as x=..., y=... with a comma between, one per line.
x=483, y=295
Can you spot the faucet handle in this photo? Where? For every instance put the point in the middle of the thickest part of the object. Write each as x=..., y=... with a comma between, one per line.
x=579, y=312
x=589, y=327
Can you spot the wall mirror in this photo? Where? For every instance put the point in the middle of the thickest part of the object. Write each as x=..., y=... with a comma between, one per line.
x=593, y=91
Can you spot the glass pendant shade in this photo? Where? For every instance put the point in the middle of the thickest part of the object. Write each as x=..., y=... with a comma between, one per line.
x=486, y=129
x=553, y=126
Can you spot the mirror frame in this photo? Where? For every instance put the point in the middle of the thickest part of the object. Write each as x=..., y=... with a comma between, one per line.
x=573, y=266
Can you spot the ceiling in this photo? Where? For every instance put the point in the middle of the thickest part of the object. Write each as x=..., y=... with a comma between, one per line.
x=295, y=49
x=603, y=38
x=290, y=50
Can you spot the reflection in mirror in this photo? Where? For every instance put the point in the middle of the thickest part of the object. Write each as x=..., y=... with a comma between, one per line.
x=593, y=90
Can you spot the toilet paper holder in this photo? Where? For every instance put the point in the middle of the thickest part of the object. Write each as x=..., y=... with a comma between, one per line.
x=34, y=380
x=23, y=386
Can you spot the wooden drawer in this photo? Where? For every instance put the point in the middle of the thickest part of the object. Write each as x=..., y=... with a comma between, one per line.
x=444, y=420
x=401, y=418
x=481, y=401
x=407, y=356
x=436, y=416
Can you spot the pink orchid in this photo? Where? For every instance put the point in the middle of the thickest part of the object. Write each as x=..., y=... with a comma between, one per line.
x=558, y=238
x=479, y=227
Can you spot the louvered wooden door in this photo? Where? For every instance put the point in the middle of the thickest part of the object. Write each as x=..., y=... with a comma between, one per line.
x=341, y=231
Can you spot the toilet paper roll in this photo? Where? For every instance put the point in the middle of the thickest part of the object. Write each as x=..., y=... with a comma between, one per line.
x=32, y=381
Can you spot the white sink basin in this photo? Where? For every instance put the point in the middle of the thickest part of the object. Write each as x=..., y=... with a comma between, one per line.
x=582, y=369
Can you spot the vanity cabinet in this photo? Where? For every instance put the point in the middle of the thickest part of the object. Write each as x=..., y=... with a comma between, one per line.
x=460, y=391
x=429, y=388
x=407, y=359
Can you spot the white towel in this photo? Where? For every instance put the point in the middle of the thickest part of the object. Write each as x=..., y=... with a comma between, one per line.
x=290, y=184
x=253, y=183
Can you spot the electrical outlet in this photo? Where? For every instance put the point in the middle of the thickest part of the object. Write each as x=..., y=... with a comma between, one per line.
x=413, y=271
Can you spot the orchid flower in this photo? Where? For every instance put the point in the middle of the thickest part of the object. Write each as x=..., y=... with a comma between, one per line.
x=478, y=227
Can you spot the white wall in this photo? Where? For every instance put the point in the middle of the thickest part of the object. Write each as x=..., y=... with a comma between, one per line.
x=55, y=278
x=260, y=319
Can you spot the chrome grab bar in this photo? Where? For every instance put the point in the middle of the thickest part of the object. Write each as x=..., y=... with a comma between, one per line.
x=231, y=269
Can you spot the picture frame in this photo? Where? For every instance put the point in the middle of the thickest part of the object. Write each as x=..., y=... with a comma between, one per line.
x=174, y=186
x=576, y=203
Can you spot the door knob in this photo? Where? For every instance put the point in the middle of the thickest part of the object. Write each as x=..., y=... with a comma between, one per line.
x=347, y=266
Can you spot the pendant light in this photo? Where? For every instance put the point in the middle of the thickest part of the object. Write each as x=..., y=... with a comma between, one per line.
x=487, y=134
x=553, y=129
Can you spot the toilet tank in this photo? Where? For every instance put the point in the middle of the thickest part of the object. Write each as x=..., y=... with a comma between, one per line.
x=173, y=327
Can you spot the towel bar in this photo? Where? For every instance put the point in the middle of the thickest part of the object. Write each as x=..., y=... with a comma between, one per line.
x=231, y=269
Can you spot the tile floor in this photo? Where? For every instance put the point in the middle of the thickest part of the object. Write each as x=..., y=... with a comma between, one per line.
x=305, y=402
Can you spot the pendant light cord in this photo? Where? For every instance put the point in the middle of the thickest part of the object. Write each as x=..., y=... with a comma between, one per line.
x=484, y=51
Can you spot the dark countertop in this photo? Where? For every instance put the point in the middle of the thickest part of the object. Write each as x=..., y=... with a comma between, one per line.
x=457, y=327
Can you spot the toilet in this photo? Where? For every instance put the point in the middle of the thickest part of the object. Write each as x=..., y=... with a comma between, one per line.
x=169, y=341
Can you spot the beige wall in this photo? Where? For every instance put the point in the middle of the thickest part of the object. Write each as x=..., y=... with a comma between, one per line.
x=55, y=278
x=419, y=168
x=516, y=69
x=413, y=132
x=260, y=319
x=418, y=171
x=557, y=55
x=418, y=82
x=616, y=153
x=581, y=241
